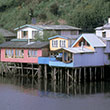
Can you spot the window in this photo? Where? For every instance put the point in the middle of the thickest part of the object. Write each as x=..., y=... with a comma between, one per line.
x=54, y=43
x=34, y=33
x=73, y=32
x=104, y=34
x=62, y=43
x=32, y=53
x=19, y=53
x=24, y=34
x=9, y=53
x=84, y=43
x=58, y=32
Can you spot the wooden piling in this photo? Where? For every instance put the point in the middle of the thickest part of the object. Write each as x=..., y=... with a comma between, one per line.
x=85, y=74
x=61, y=76
x=79, y=74
x=67, y=75
x=39, y=72
x=45, y=71
x=90, y=73
x=22, y=69
x=95, y=73
x=75, y=75
x=32, y=71
x=54, y=73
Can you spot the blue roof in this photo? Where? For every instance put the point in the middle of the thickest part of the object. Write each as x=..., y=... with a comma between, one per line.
x=58, y=36
x=92, y=39
x=31, y=26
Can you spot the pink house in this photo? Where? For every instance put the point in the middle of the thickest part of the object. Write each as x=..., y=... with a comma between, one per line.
x=21, y=51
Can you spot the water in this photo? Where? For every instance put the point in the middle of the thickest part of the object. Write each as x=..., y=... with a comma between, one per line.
x=28, y=94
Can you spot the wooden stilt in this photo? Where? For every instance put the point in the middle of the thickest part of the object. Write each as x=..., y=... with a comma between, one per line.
x=84, y=74
x=67, y=75
x=79, y=74
x=45, y=85
x=72, y=72
x=45, y=68
x=101, y=73
x=22, y=69
x=75, y=75
x=95, y=73
x=54, y=73
x=90, y=73
x=32, y=71
x=61, y=75
x=39, y=72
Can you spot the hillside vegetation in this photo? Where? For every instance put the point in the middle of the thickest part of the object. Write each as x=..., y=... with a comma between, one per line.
x=86, y=14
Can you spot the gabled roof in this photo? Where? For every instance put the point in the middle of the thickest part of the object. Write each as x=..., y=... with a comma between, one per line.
x=28, y=25
x=49, y=27
x=58, y=36
x=99, y=28
x=76, y=50
x=92, y=39
x=24, y=44
x=106, y=26
x=7, y=33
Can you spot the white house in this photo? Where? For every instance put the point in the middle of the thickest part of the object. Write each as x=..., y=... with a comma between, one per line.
x=29, y=31
x=104, y=31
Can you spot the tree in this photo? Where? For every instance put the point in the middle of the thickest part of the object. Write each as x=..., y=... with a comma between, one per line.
x=45, y=36
x=2, y=39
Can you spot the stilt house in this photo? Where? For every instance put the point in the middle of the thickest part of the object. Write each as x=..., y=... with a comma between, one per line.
x=23, y=51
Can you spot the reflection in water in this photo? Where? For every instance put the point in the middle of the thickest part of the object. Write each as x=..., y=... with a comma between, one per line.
x=55, y=89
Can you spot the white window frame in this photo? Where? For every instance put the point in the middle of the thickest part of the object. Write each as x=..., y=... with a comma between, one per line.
x=19, y=53
x=9, y=53
x=32, y=53
x=54, y=43
x=62, y=43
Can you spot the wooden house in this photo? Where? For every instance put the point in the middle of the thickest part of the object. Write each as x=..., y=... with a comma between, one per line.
x=8, y=35
x=58, y=41
x=87, y=50
x=104, y=31
x=22, y=51
x=29, y=31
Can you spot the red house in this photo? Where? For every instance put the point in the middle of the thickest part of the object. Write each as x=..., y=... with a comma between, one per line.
x=23, y=51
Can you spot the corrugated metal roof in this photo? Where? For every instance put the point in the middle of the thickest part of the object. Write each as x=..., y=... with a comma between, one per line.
x=79, y=50
x=92, y=39
x=49, y=27
x=23, y=44
x=99, y=28
x=6, y=33
x=106, y=26
x=58, y=27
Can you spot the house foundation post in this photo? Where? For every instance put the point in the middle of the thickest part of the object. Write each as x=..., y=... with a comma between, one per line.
x=45, y=68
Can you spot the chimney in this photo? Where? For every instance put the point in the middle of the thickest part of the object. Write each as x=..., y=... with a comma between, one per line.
x=33, y=20
x=109, y=20
x=82, y=45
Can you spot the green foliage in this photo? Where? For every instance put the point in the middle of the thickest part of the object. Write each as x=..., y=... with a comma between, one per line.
x=2, y=39
x=54, y=8
x=86, y=14
x=45, y=36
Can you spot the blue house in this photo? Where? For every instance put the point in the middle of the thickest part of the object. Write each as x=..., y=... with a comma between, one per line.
x=87, y=50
